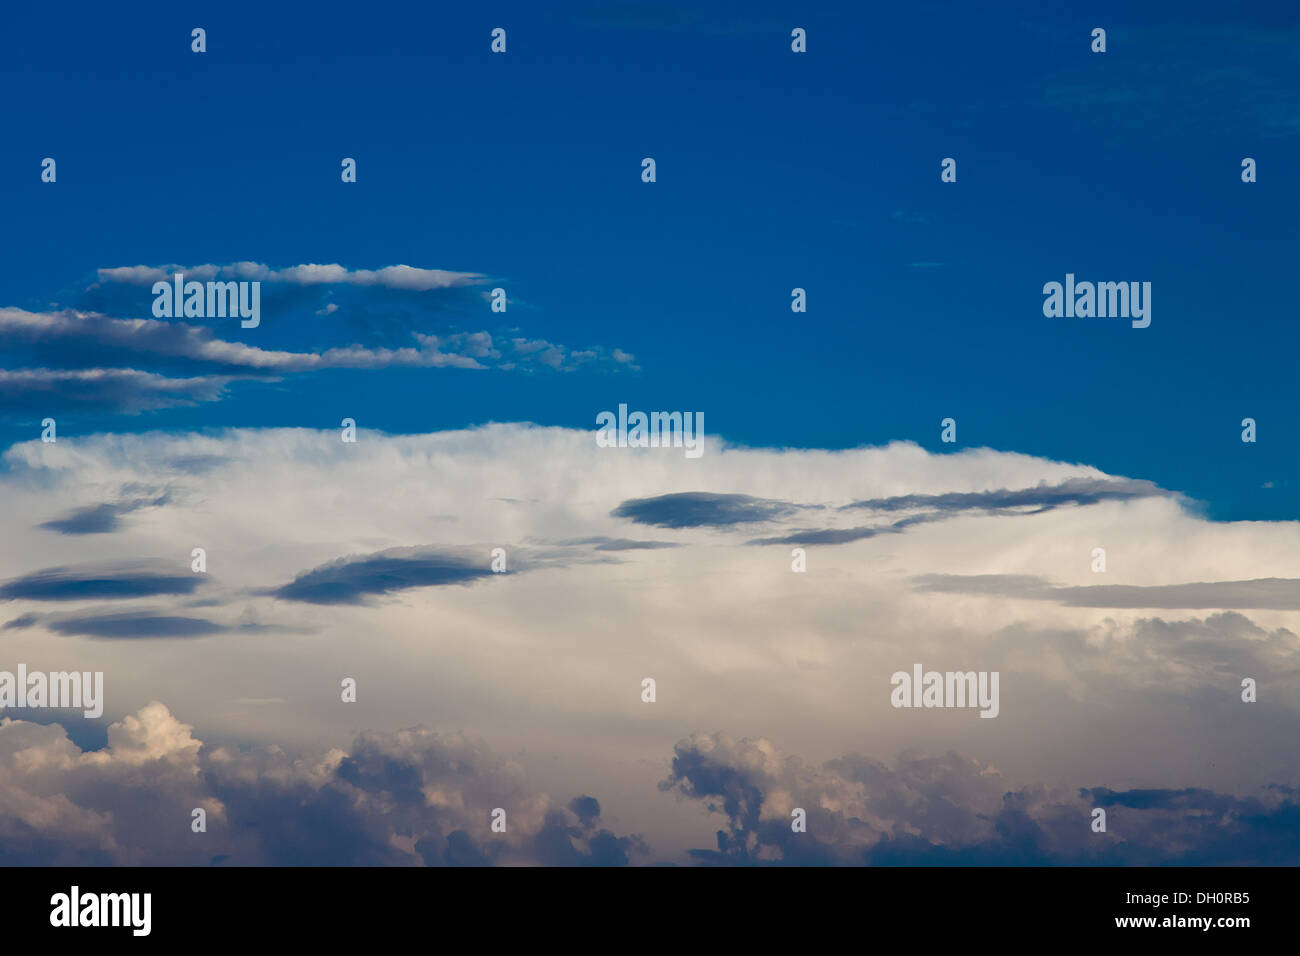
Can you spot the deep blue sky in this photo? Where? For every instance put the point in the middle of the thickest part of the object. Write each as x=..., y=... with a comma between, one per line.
x=775, y=170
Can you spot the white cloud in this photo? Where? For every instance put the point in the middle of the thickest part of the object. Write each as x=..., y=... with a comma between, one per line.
x=411, y=278
x=551, y=660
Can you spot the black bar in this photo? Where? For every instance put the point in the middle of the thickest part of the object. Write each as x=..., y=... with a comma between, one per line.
x=658, y=905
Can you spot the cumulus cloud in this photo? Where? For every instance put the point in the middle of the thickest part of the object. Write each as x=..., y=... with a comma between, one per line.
x=418, y=797
x=411, y=797
x=953, y=810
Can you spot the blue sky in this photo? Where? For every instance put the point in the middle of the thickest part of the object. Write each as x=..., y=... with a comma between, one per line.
x=774, y=171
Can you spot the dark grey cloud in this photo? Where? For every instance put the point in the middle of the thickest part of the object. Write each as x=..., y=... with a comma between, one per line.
x=1212, y=653
x=845, y=535
x=1042, y=497
x=618, y=544
x=131, y=579
x=952, y=810
x=266, y=807
x=1277, y=594
x=354, y=579
x=931, y=508
x=122, y=625
x=92, y=519
x=586, y=808
x=88, y=733
x=701, y=509
x=42, y=391
x=127, y=625
x=101, y=518
x=369, y=806
x=69, y=360
x=1003, y=585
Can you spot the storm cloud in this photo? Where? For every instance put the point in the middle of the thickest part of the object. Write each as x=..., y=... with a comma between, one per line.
x=954, y=810
x=412, y=797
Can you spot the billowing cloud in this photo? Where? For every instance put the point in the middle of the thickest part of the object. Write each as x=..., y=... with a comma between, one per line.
x=953, y=810
x=329, y=560
x=413, y=797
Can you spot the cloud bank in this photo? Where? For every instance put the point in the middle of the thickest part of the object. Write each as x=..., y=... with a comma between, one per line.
x=373, y=561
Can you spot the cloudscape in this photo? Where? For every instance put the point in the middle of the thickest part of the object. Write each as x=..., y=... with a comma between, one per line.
x=657, y=435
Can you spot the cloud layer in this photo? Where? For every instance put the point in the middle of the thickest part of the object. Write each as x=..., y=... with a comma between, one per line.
x=101, y=355
x=373, y=561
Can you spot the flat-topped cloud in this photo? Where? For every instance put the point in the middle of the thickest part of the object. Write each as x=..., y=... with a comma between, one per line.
x=373, y=560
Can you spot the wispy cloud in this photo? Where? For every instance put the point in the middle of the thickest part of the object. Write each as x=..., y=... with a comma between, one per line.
x=123, y=579
x=102, y=518
x=1279, y=594
x=406, y=277
x=105, y=359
